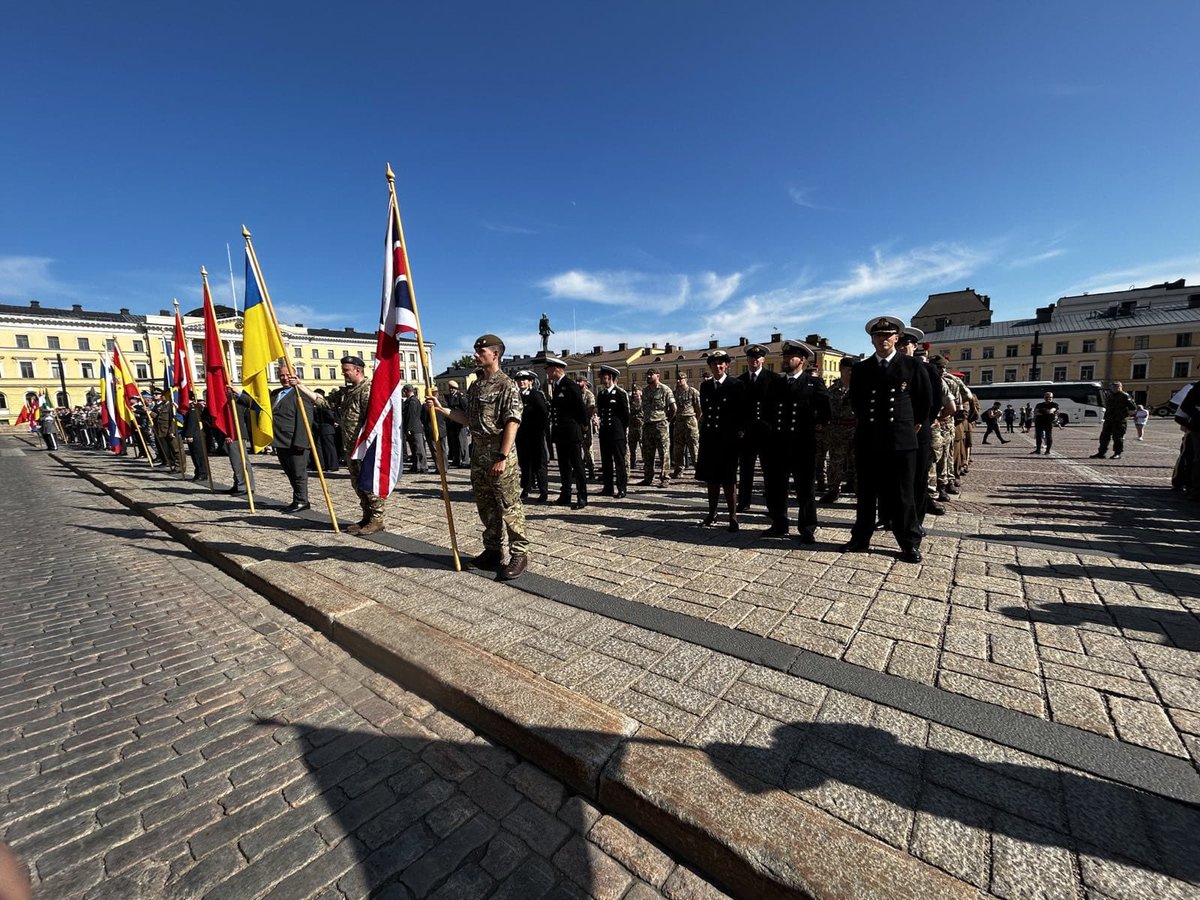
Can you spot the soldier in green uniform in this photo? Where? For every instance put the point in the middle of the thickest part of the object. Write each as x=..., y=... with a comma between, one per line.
x=1118, y=407
x=839, y=434
x=166, y=433
x=351, y=403
x=658, y=409
x=589, y=426
x=636, y=415
x=685, y=442
x=493, y=416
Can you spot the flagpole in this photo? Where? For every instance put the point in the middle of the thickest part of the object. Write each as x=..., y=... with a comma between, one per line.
x=191, y=380
x=132, y=411
x=172, y=422
x=437, y=442
x=287, y=363
x=237, y=422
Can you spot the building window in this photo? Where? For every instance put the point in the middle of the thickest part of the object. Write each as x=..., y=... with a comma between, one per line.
x=329, y=354
x=317, y=373
x=1010, y=375
x=412, y=374
x=55, y=369
x=985, y=376
x=1012, y=350
x=1137, y=371
x=1183, y=369
x=197, y=348
x=1087, y=373
x=1062, y=347
x=139, y=347
x=22, y=342
x=332, y=374
x=1141, y=342
x=87, y=370
x=964, y=354
x=1060, y=373
x=141, y=371
x=1089, y=346
x=989, y=352
x=53, y=343
x=300, y=372
x=26, y=369
x=297, y=352
x=316, y=353
x=3, y=402
x=966, y=376
x=1184, y=339
x=83, y=344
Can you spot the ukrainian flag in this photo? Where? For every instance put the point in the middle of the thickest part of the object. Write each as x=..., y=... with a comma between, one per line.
x=261, y=346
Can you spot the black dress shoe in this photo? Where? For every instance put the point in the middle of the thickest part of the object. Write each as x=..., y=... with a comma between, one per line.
x=855, y=547
x=775, y=531
x=488, y=558
x=619, y=495
x=743, y=506
x=236, y=491
x=563, y=501
x=733, y=525
x=543, y=498
x=911, y=555
x=607, y=492
x=883, y=525
x=806, y=537
x=582, y=504
x=709, y=519
x=296, y=507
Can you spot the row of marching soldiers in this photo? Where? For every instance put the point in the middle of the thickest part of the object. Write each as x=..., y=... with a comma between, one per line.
x=957, y=410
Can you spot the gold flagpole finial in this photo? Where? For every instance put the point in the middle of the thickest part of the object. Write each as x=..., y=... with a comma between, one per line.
x=391, y=176
x=245, y=232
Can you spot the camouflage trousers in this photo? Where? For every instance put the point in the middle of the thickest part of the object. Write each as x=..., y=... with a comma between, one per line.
x=685, y=441
x=498, y=499
x=656, y=441
x=372, y=506
x=940, y=471
x=960, y=453
x=635, y=441
x=839, y=456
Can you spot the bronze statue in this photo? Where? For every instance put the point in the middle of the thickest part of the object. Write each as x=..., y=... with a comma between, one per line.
x=545, y=331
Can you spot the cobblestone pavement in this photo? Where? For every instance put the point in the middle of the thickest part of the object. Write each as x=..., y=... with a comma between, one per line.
x=168, y=733
x=1058, y=587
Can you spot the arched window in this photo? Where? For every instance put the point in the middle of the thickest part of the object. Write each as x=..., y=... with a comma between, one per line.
x=61, y=399
x=3, y=402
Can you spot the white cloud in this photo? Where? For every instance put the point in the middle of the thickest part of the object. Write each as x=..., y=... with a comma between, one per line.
x=800, y=196
x=1036, y=258
x=652, y=293
x=502, y=228
x=29, y=278
x=291, y=313
x=1138, y=275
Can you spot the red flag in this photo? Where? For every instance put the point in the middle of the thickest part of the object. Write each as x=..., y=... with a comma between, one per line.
x=183, y=370
x=27, y=414
x=216, y=379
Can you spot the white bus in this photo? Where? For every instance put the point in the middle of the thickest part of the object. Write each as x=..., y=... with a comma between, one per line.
x=1078, y=401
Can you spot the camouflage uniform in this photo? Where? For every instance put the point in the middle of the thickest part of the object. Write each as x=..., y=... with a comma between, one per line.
x=492, y=403
x=941, y=467
x=839, y=439
x=166, y=434
x=658, y=405
x=685, y=442
x=351, y=404
x=636, y=414
x=589, y=406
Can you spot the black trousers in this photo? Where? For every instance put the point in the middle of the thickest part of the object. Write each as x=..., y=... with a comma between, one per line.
x=1043, y=432
x=199, y=459
x=786, y=468
x=753, y=450
x=613, y=471
x=570, y=467
x=295, y=466
x=992, y=427
x=531, y=456
x=921, y=473
x=885, y=481
x=1115, y=432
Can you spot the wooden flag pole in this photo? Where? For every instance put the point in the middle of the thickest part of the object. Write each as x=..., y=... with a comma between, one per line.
x=287, y=363
x=132, y=411
x=191, y=379
x=237, y=421
x=437, y=442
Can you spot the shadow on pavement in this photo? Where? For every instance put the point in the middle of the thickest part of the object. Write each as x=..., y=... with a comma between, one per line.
x=1026, y=803
x=1169, y=627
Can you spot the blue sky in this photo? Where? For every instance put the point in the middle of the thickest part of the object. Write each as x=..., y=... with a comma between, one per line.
x=643, y=170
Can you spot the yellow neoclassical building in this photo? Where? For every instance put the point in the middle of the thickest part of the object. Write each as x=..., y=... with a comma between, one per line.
x=45, y=348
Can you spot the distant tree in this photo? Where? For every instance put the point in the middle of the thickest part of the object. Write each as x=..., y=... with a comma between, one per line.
x=464, y=362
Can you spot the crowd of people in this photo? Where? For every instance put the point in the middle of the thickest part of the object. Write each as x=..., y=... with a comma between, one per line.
x=895, y=430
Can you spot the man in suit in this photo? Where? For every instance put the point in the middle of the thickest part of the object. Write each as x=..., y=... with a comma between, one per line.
x=890, y=394
x=756, y=443
x=531, y=437
x=414, y=431
x=798, y=405
x=612, y=411
x=291, y=443
x=568, y=417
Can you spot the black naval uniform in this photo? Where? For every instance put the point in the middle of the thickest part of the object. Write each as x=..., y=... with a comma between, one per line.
x=567, y=419
x=612, y=408
x=796, y=407
x=889, y=403
x=757, y=440
x=723, y=419
x=531, y=443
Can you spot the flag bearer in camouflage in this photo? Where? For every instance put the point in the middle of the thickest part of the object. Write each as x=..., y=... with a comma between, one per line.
x=166, y=433
x=351, y=403
x=493, y=416
x=685, y=444
x=658, y=409
x=839, y=434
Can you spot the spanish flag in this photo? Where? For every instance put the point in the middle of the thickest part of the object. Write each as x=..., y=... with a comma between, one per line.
x=261, y=346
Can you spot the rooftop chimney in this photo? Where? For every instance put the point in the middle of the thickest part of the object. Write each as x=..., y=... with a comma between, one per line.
x=77, y=307
x=33, y=304
x=623, y=346
x=712, y=344
x=776, y=338
x=124, y=310
x=349, y=329
x=597, y=349
x=742, y=342
x=1044, y=313
x=670, y=348
x=163, y=312
x=299, y=325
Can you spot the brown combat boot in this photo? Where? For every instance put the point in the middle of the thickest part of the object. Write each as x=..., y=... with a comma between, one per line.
x=517, y=564
x=371, y=527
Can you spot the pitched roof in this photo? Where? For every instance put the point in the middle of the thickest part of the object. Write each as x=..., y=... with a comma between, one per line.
x=1096, y=320
x=76, y=313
